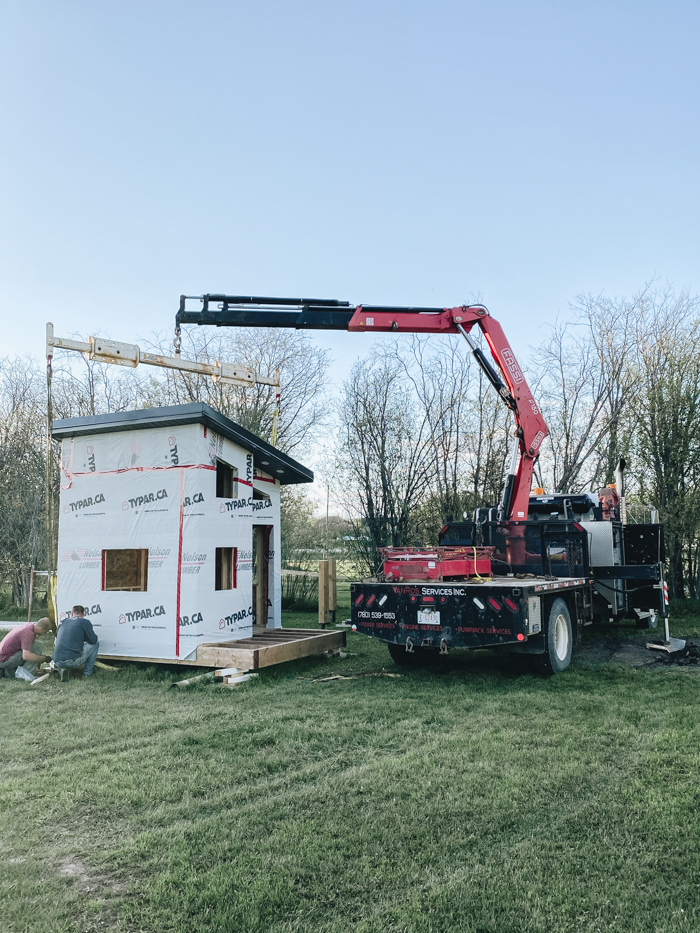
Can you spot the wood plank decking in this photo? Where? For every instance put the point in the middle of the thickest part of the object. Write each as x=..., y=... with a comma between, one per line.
x=266, y=647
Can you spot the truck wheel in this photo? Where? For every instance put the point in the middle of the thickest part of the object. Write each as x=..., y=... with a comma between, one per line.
x=419, y=657
x=558, y=638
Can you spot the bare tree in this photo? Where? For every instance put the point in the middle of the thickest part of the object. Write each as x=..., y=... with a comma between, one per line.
x=467, y=430
x=83, y=387
x=586, y=389
x=423, y=440
x=22, y=430
x=668, y=431
x=384, y=458
x=487, y=442
x=623, y=378
x=303, y=411
x=439, y=374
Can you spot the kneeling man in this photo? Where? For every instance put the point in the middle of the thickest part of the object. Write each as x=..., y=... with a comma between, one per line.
x=20, y=648
x=76, y=643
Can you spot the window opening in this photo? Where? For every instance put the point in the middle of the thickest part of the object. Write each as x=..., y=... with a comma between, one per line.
x=125, y=569
x=225, y=568
x=226, y=481
x=260, y=496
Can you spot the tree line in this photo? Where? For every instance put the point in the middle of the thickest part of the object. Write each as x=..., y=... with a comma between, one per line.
x=416, y=436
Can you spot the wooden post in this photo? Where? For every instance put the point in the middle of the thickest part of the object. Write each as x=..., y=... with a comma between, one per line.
x=48, y=486
x=323, y=593
x=31, y=594
x=332, y=595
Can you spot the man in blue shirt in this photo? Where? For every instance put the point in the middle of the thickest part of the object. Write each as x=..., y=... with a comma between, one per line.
x=76, y=643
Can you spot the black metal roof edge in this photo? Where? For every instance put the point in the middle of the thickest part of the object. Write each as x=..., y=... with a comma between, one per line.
x=195, y=413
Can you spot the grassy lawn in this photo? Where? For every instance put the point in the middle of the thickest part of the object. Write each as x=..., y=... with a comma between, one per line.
x=474, y=799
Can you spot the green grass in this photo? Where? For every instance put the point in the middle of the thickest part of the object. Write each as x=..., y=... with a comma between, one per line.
x=471, y=800
x=13, y=614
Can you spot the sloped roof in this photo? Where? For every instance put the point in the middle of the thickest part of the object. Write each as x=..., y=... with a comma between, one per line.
x=265, y=457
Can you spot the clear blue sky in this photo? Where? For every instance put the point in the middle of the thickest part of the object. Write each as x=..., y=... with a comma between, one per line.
x=380, y=152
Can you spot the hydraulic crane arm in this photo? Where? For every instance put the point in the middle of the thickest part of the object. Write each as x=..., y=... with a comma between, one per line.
x=319, y=314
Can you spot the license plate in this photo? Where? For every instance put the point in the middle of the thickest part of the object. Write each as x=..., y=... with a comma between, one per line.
x=428, y=617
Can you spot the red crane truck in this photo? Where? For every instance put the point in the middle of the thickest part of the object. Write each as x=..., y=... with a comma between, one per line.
x=523, y=576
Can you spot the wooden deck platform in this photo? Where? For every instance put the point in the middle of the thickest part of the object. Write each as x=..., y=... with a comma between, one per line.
x=266, y=647
x=269, y=646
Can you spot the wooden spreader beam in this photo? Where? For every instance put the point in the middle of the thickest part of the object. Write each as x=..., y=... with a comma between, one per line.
x=267, y=646
x=129, y=354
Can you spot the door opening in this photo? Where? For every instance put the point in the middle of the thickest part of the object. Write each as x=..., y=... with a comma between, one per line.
x=261, y=572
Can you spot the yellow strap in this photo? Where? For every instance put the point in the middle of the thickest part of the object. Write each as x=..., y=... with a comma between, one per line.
x=478, y=576
x=51, y=601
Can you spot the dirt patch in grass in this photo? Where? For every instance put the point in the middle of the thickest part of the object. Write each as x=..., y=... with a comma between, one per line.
x=92, y=881
x=596, y=649
x=97, y=895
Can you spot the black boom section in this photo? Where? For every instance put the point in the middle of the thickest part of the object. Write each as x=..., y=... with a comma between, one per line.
x=252, y=311
x=255, y=311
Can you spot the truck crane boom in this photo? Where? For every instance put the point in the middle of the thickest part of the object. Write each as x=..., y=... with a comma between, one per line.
x=515, y=577
x=321, y=314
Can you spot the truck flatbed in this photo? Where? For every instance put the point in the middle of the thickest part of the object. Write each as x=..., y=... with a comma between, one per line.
x=458, y=614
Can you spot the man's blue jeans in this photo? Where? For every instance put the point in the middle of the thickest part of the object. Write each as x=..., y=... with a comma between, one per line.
x=87, y=657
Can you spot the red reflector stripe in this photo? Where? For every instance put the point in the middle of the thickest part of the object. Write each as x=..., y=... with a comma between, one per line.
x=371, y=600
x=428, y=599
x=359, y=599
x=494, y=604
x=511, y=605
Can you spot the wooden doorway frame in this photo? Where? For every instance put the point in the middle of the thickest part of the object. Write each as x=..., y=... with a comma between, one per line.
x=261, y=573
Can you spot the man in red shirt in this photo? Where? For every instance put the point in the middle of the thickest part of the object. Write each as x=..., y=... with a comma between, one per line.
x=16, y=648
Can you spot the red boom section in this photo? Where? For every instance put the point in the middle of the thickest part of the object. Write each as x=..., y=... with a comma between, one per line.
x=531, y=427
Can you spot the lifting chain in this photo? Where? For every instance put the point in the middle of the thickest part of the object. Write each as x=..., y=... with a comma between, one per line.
x=177, y=342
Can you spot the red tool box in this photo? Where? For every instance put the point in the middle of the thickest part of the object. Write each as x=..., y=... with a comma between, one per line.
x=440, y=563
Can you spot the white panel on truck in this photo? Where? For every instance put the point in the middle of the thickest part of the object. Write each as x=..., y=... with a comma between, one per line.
x=600, y=539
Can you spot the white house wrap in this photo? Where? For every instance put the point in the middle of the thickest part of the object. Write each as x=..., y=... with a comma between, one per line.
x=169, y=528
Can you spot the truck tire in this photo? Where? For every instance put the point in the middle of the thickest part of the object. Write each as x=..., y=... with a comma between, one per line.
x=419, y=657
x=558, y=640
